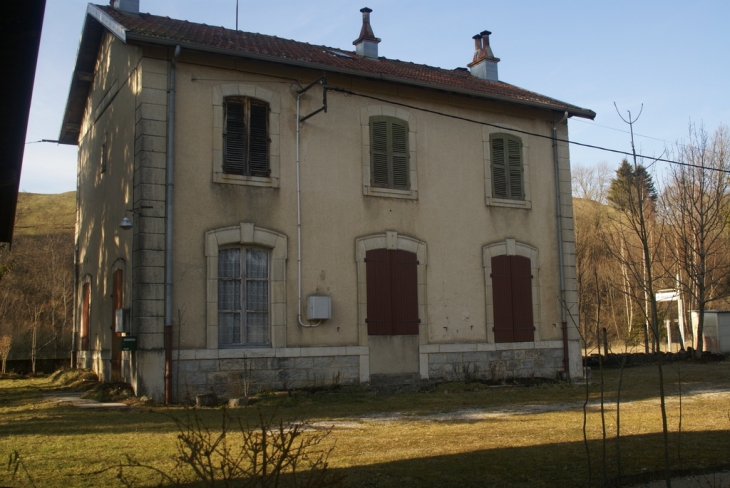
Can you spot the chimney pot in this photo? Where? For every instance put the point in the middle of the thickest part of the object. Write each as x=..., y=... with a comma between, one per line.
x=484, y=64
x=367, y=44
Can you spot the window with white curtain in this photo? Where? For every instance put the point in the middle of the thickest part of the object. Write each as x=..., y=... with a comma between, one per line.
x=243, y=297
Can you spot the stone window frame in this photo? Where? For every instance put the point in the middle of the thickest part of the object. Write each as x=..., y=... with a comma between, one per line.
x=220, y=93
x=368, y=189
x=247, y=234
x=511, y=247
x=390, y=240
x=490, y=200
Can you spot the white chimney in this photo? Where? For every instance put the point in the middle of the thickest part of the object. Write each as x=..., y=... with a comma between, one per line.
x=367, y=44
x=129, y=6
x=484, y=65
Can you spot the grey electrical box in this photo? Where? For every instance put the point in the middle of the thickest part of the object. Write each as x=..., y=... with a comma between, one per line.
x=319, y=307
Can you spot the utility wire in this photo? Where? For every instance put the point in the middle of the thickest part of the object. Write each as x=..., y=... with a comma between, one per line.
x=466, y=119
x=678, y=144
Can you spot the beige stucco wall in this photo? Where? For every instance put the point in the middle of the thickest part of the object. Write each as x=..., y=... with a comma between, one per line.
x=450, y=215
x=105, y=194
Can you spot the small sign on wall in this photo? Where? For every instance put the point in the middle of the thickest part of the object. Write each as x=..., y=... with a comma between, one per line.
x=128, y=343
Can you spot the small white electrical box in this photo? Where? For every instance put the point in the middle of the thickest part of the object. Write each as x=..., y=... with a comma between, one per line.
x=319, y=307
x=121, y=319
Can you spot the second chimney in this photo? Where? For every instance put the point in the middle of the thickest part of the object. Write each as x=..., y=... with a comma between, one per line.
x=367, y=44
x=484, y=65
x=129, y=6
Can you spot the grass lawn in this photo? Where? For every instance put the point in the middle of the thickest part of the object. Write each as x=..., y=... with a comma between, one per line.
x=457, y=435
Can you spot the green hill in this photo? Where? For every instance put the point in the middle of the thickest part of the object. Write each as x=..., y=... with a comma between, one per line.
x=39, y=214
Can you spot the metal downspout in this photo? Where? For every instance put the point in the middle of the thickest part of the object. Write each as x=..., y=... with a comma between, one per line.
x=559, y=218
x=299, y=121
x=168, y=229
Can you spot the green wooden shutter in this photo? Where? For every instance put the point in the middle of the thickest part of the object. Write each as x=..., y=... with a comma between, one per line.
x=235, y=138
x=514, y=158
x=258, y=161
x=399, y=137
x=507, y=174
x=379, y=151
x=499, y=168
x=389, y=152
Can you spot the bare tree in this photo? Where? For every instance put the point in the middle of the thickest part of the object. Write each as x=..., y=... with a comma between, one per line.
x=696, y=205
x=6, y=341
x=591, y=182
x=639, y=227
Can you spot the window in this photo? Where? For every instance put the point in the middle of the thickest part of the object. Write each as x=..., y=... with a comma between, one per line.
x=512, y=299
x=243, y=297
x=85, y=311
x=246, y=288
x=246, y=141
x=507, y=176
x=104, y=154
x=246, y=137
x=506, y=168
x=389, y=152
x=392, y=292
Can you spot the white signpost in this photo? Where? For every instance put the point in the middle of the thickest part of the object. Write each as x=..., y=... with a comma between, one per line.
x=673, y=296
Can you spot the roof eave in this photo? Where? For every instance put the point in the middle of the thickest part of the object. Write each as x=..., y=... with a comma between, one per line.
x=576, y=112
x=90, y=40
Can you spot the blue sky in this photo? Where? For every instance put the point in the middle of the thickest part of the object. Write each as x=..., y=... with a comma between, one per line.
x=671, y=56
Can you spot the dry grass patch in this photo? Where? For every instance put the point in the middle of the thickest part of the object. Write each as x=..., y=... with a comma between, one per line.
x=506, y=436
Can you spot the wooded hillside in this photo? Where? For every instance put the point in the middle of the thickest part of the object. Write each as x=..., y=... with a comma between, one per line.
x=36, y=287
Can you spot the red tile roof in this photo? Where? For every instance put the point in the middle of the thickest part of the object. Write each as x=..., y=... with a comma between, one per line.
x=154, y=28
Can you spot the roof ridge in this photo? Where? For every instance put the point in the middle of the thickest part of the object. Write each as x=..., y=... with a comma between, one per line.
x=148, y=27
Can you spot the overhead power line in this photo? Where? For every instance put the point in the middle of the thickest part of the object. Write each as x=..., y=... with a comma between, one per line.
x=479, y=122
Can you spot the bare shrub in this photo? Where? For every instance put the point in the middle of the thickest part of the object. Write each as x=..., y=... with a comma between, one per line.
x=269, y=454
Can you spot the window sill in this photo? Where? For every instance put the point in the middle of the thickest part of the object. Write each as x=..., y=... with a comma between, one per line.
x=225, y=178
x=374, y=191
x=502, y=202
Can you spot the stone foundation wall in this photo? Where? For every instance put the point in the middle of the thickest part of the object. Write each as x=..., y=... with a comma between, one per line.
x=495, y=365
x=227, y=377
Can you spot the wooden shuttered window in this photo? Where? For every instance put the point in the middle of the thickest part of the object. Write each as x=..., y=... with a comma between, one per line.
x=389, y=155
x=246, y=137
x=392, y=292
x=512, y=297
x=507, y=176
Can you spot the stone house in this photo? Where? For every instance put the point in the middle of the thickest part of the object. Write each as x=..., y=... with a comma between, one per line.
x=255, y=211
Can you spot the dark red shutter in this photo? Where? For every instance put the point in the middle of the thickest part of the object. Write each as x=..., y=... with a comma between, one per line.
x=85, y=306
x=502, y=299
x=258, y=161
x=404, y=266
x=117, y=301
x=235, y=138
x=512, y=297
x=524, y=329
x=377, y=268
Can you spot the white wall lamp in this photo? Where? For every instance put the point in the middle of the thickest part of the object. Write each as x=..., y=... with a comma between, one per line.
x=126, y=222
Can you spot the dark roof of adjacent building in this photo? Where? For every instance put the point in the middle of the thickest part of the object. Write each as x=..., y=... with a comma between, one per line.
x=20, y=37
x=148, y=28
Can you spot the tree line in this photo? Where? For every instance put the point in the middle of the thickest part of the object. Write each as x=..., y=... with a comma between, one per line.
x=36, y=298
x=633, y=240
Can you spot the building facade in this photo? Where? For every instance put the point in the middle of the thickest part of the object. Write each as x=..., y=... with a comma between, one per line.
x=301, y=215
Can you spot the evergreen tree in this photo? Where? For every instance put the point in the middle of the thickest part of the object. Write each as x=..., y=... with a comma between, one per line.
x=628, y=182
